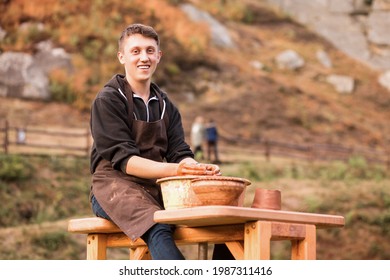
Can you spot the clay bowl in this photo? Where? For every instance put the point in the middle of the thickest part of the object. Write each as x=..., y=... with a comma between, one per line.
x=219, y=190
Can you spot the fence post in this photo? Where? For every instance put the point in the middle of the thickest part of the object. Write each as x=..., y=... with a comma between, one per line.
x=311, y=153
x=6, y=128
x=267, y=150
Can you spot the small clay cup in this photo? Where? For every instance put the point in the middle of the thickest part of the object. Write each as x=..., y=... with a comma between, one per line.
x=267, y=199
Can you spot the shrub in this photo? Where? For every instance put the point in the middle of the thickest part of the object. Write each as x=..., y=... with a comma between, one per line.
x=60, y=87
x=383, y=221
x=51, y=241
x=15, y=168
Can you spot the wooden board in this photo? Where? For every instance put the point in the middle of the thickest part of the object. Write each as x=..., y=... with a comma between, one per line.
x=223, y=215
x=92, y=225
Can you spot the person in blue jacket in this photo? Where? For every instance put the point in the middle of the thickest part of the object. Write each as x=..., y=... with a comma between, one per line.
x=212, y=141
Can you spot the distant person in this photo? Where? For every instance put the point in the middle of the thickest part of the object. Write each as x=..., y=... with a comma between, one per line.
x=212, y=141
x=21, y=136
x=138, y=138
x=198, y=137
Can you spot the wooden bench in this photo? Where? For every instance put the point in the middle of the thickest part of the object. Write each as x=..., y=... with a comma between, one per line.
x=103, y=234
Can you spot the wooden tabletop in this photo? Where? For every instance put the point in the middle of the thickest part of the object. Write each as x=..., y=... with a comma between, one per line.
x=225, y=215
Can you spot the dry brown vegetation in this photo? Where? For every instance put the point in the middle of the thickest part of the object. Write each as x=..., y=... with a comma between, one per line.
x=295, y=106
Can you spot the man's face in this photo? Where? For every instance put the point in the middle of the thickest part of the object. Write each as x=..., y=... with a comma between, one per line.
x=140, y=56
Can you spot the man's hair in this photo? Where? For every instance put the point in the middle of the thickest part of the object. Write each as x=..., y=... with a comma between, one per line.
x=138, y=28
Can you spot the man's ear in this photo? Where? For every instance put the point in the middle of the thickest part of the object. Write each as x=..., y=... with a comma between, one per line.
x=120, y=57
x=160, y=53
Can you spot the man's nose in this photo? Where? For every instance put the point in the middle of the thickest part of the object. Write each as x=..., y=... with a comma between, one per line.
x=144, y=56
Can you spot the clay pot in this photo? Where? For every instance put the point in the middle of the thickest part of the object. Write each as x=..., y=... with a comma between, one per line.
x=267, y=199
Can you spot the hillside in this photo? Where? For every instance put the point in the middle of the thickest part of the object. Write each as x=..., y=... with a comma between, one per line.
x=220, y=82
x=295, y=106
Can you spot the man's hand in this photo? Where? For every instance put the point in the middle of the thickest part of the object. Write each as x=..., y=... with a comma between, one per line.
x=198, y=169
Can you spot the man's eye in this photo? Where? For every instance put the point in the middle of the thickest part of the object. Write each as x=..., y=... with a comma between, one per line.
x=150, y=50
x=135, y=51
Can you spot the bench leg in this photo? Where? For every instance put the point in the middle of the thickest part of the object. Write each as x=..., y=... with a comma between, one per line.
x=140, y=253
x=96, y=246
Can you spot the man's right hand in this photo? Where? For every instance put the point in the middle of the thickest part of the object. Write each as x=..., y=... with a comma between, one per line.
x=202, y=169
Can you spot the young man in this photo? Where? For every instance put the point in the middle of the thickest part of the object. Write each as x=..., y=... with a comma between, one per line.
x=138, y=138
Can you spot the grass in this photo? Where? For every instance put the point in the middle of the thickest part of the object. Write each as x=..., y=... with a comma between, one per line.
x=40, y=193
x=58, y=190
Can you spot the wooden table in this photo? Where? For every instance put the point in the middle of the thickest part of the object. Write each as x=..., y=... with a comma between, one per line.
x=248, y=232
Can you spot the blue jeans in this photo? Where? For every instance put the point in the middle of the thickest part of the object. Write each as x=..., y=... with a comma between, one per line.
x=159, y=237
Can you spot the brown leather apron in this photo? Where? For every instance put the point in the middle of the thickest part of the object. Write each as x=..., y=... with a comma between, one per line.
x=130, y=201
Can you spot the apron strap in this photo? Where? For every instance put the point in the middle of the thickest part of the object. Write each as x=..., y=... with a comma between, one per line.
x=161, y=101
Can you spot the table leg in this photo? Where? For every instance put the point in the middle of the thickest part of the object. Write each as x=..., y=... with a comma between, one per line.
x=257, y=240
x=305, y=249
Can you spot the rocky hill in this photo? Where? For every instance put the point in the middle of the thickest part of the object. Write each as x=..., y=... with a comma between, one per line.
x=363, y=35
x=256, y=72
